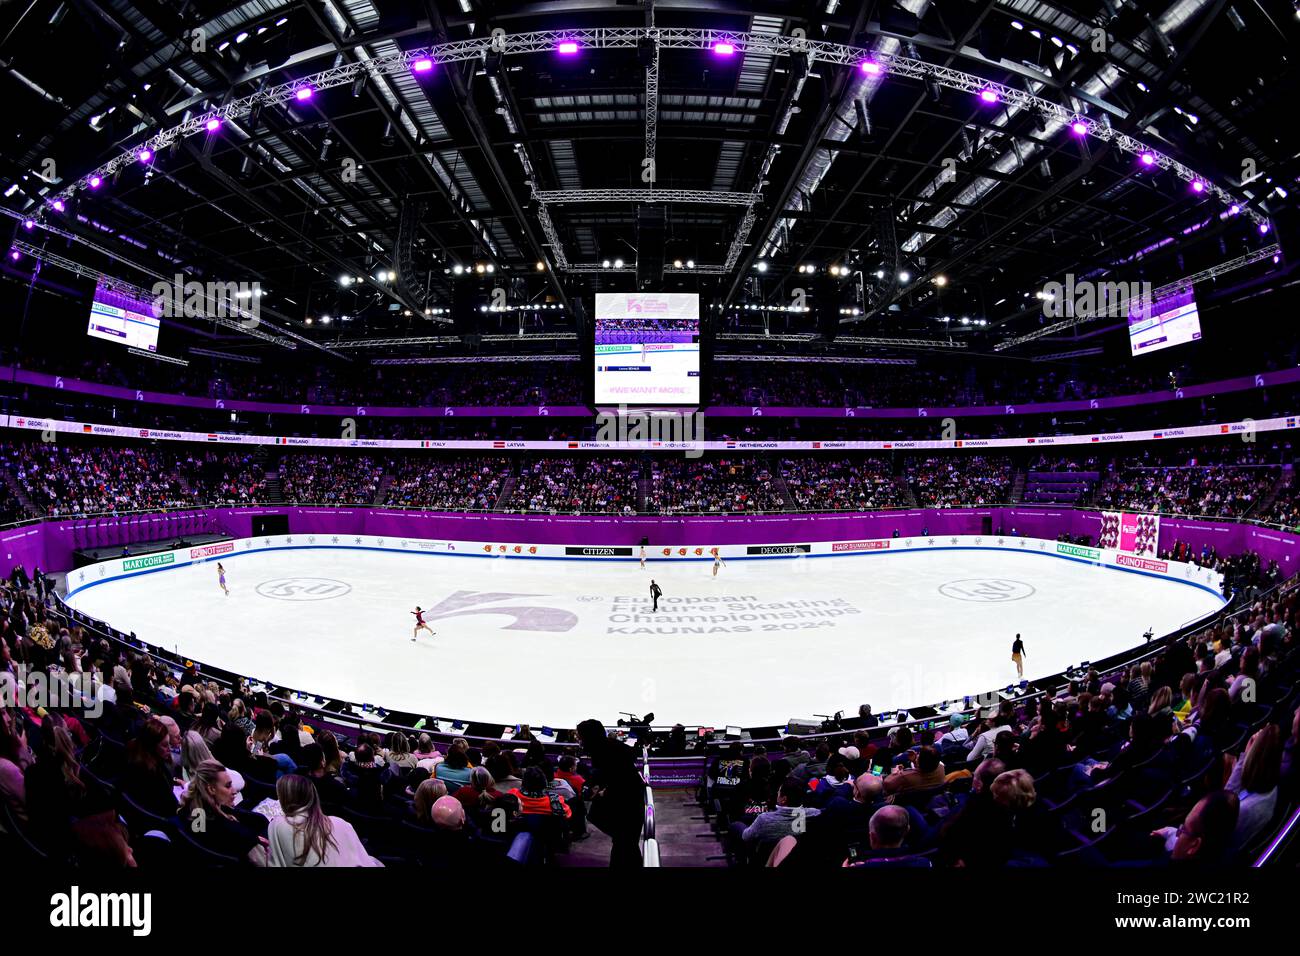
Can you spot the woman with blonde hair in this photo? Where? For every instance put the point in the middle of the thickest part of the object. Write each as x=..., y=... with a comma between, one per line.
x=306, y=837
x=207, y=811
x=194, y=752
x=397, y=751
x=427, y=794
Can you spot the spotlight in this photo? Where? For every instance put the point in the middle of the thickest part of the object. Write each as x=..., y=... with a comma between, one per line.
x=458, y=269
x=870, y=67
x=479, y=268
x=302, y=94
x=29, y=224
x=1263, y=228
x=58, y=205
x=724, y=48
x=1079, y=127
x=677, y=263
x=761, y=266
x=941, y=281
x=14, y=254
x=605, y=264
x=905, y=276
x=422, y=65
x=145, y=155
x=618, y=263
x=1234, y=210
x=345, y=280
x=491, y=268
x=1148, y=159
x=541, y=266
x=690, y=263
x=988, y=96
x=95, y=182
x=1198, y=186
x=567, y=48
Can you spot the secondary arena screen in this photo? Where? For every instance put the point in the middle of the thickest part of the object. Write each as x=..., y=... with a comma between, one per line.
x=647, y=348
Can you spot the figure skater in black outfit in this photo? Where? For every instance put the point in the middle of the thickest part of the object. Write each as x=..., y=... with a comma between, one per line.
x=655, y=592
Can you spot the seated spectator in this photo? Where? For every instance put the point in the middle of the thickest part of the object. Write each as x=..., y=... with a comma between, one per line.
x=788, y=819
x=926, y=775
x=305, y=836
x=535, y=799
x=1208, y=834
x=333, y=791
x=207, y=811
x=888, y=830
x=1254, y=781
x=955, y=742
x=147, y=778
x=567, y=771
x=454, y=771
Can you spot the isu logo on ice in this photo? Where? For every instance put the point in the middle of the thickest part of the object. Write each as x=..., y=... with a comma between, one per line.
x=303, y=589
x=988, y=590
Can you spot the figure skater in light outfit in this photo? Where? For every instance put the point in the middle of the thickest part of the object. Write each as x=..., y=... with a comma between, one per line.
x=717, y=561
x=643, y=559
x=419, y=623
x=221, y=578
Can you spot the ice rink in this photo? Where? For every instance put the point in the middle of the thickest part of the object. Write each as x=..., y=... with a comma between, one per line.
x=554, y=642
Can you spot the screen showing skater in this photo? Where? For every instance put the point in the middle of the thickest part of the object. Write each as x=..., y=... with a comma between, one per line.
x=647, y=348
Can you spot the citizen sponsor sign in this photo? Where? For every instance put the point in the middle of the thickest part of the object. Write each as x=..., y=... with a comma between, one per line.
x=208, y=550
x=1145, y=564
x=778, y=549
x=860, y=546
x=598, y=552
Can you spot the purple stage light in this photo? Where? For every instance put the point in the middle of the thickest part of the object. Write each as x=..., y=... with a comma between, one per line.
x=1198, y=186
x=422, y=65
x=567, y=48
x=303, y=94
x=144, y=155
x=213, y=124
x=95, y=182
x=58, y=205
x=870, y=67
x=1079, y=127
x=13, y=254
x=29, y=224
x=1263, y=228
x=1148, y=159
x=1234, y=210
x=989, y=96
x=724, y=48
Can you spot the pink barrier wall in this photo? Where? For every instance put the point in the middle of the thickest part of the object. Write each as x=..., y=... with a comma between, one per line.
x=50, y=544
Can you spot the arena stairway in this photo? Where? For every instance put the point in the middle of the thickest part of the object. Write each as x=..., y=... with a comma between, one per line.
x=507, y=489
x=681, y=831
x=19, y=495
x=1282, y=486
x=381, y=493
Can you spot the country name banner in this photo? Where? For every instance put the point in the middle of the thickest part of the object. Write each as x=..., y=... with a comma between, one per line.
x=1245, y=428
x=22, y=376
